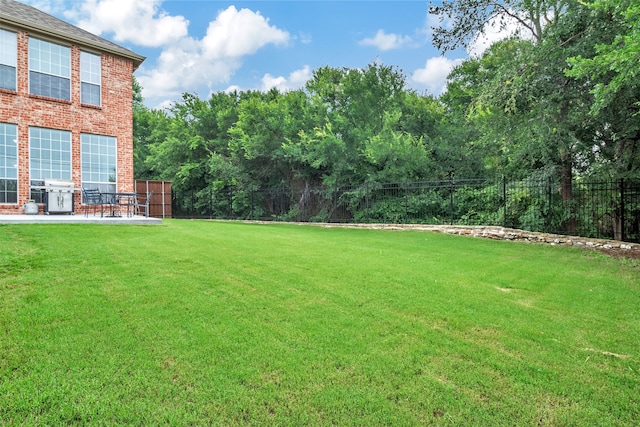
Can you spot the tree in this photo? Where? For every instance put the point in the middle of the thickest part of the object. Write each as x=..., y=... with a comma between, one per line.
x=361, y=132
x=462, y=123
x=267, y=124
x=616, y=65
x=468, y=19
x=525, y=104
x=188, y=145
x=532, y=114
x=614, y=81
x=142, y=129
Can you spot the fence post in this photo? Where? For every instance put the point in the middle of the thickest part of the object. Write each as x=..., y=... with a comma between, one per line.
x=406, y=203
x=335, y=198
x=366, y=201
x=210, y=202
x=549, y=215
x=163, y=200
x=622, y=208
x=451, y=189
x=504, y=201
x=251, y=204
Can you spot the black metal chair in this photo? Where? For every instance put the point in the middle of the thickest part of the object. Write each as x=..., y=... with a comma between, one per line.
x=128, y=201
x=91, y=197
x=143, y=207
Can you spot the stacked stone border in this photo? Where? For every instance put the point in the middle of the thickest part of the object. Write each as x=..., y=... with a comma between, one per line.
x=502, y=233
x=491, y=232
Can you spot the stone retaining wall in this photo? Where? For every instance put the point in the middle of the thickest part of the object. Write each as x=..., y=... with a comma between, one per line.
x=497, y=233
x=502, y=233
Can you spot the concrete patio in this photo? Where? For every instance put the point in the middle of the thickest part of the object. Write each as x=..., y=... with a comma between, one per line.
x=79, y=218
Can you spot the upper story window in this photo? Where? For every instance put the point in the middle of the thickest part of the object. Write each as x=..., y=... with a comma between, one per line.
x=49, y=69
x=8, y=59
x=90, y=78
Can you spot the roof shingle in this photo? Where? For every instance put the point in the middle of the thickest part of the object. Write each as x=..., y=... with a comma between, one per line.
x=23, y=16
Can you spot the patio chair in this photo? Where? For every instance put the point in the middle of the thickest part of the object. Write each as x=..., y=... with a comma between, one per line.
x=142, y=208
x=91, y=198
x=129, y=202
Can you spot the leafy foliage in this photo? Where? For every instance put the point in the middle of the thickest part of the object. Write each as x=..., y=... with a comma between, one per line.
x=348, y=127
x=615, y=67
x=557, y=100
x=468, y=19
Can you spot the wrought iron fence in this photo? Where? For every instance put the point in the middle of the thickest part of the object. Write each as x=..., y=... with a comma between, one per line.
x=600, y=209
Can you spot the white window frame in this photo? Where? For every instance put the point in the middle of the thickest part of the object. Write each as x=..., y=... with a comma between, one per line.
x=90, y=77
x=9, y=57
x=50, y=157
x=52, y=63
x=8, y=163
x=99, y=162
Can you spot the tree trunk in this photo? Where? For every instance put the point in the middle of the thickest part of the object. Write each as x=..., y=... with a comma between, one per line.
x=617, y=226
x=566, y=192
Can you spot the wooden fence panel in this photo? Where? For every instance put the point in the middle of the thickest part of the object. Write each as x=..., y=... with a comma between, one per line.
x=160, y=204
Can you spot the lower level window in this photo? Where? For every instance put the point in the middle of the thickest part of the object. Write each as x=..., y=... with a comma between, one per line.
x=8, y=163
x=8, y=191
x=98, y=154
x=49, y=157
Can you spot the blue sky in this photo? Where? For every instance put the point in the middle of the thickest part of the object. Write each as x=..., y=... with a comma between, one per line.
x=206, y=46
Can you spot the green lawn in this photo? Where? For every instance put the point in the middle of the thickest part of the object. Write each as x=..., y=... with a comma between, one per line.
x=196, y=322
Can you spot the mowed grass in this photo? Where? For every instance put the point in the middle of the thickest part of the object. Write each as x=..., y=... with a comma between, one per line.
x=196, y=322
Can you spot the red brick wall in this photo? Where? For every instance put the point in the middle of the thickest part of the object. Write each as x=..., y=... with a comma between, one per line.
x=113, y=118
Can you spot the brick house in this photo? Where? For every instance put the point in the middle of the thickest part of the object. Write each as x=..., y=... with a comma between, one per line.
x=65, y=107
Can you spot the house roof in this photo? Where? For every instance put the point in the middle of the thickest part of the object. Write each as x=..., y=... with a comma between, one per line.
x=33, y=20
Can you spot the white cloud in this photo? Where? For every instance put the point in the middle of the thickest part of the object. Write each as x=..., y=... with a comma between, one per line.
x=237, y=33
x=193, y=63
x=164, y=105
x=486, y=38
x=434, y=74
x=494, y=31
x=143, y=23
x=384, y=41
x=269, y=82
x=178, y=68
x=296, y=80
x=230, y=89
x=185, y=63
x=305, y=38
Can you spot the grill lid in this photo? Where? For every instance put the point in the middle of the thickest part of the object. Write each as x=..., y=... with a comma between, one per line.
x=55, y=184
x=58, y=183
